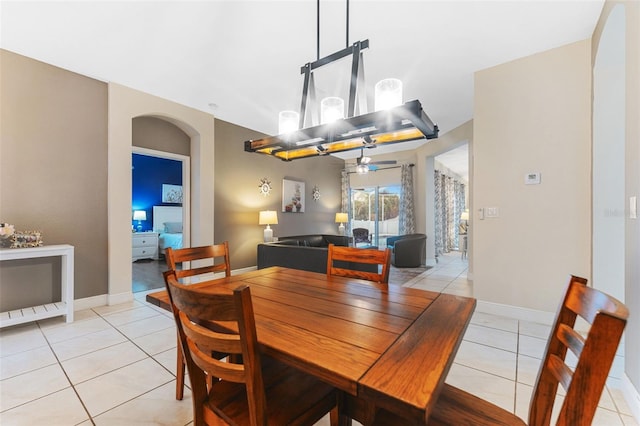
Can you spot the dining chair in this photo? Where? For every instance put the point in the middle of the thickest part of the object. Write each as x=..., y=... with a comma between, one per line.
x=204, y=253
x=194, y=254
x=382, y=258
x=253, y=389
x=594, y=350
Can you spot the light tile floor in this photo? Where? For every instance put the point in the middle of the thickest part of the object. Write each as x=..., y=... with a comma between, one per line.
x=114, y=365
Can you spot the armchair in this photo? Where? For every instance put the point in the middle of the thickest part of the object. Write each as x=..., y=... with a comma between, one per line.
x=361, y=235
x=407, y=251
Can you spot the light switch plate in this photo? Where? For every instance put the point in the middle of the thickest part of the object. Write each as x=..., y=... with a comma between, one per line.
x=633, y=208
x=491, y=212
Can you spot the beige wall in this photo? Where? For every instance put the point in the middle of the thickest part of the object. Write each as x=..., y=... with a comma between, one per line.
x=53, y=175
x=632, y=177
x=532, y=115
x=238, y=201
x=125, y=104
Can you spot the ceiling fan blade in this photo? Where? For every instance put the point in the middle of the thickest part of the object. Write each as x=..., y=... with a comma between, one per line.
x=384, y=162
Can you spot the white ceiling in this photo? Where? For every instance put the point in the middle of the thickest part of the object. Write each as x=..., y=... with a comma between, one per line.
x=240, y=60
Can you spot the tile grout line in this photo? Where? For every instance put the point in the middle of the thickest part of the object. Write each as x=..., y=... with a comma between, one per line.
x=64, y=371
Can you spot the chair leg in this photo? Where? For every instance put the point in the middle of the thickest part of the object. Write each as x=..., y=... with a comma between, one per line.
x=334, y=417
x=179, y=372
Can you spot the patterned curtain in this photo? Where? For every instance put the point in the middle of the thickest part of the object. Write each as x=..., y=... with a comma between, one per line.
x=345, y=200
x=449, y=204
x=407, y=217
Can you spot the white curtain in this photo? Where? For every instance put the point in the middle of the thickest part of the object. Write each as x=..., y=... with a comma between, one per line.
x=406, y=221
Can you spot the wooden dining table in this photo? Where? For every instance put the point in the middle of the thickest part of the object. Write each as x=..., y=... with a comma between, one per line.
x=389, y=345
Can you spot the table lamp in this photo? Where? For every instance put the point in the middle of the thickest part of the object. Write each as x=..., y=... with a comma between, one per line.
x=464, y=221
x=268, y=217
x=341, y=218
x=139, y=215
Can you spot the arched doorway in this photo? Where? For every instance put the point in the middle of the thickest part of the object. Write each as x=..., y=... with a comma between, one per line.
x=124, y=105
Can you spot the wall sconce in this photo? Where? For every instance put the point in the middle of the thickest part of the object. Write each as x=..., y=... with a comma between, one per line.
x=268, y=217
x=139, y=215
x=341, y=218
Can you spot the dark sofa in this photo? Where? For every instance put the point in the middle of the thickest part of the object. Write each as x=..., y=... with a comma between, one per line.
x=407, y=251
x=307, y=252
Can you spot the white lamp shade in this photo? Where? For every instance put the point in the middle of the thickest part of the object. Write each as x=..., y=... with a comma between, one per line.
x=388, y=93
x=331, y=109
x=268, y=217
x=139, y=215
x=288, y=121
x=342, y=218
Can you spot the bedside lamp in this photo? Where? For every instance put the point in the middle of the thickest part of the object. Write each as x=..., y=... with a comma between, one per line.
x=341, y=218
x=139, y=215
x=268, y=217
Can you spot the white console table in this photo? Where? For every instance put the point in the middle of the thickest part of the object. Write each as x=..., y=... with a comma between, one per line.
x=54, y=309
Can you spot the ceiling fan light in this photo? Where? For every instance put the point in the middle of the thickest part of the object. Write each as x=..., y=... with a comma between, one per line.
x=331, y=109
x=362, y=169
x=287, y=122
x=388, y=93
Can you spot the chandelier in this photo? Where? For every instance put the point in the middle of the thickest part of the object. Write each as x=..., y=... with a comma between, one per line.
x=392, y=121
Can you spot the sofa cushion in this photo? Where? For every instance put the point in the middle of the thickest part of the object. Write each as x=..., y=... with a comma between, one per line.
x=313, y=240
x=288, y=242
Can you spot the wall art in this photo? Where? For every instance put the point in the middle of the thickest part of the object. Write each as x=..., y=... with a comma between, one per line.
x=171, y=193
x=292, y=196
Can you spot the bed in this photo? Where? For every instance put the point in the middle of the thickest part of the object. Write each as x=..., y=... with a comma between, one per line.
x=167, y=222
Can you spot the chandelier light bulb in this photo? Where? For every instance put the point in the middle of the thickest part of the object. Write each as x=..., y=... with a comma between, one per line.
x=331, y=109
x=287, y=121
x=388, y=93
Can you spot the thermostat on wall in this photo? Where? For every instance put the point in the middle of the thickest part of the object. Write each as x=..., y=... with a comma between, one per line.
x=532, y=178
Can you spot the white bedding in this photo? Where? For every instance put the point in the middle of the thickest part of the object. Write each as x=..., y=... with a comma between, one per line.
x=169, y=240
x=168, y=218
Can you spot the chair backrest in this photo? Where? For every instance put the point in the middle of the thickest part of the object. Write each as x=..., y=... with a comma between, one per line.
x=595, y=352
x=382, y=258
x=361, y=235
x=191, y=254
x=191, y=308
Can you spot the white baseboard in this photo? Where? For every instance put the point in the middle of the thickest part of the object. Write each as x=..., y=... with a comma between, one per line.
x=632, y=397
x=516, y=312
x=89, y=302
x=114, y=299
x=101, y=300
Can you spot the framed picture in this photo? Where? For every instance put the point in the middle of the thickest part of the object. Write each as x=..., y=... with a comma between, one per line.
x=292, y=196
x=171, y=193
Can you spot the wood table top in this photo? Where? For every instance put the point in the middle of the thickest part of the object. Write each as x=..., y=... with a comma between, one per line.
x=391, y=345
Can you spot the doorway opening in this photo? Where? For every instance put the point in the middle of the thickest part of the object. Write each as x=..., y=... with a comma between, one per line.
x=159, y=193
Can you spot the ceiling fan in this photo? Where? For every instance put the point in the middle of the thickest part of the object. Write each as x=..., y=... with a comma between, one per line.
x=364, y=164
